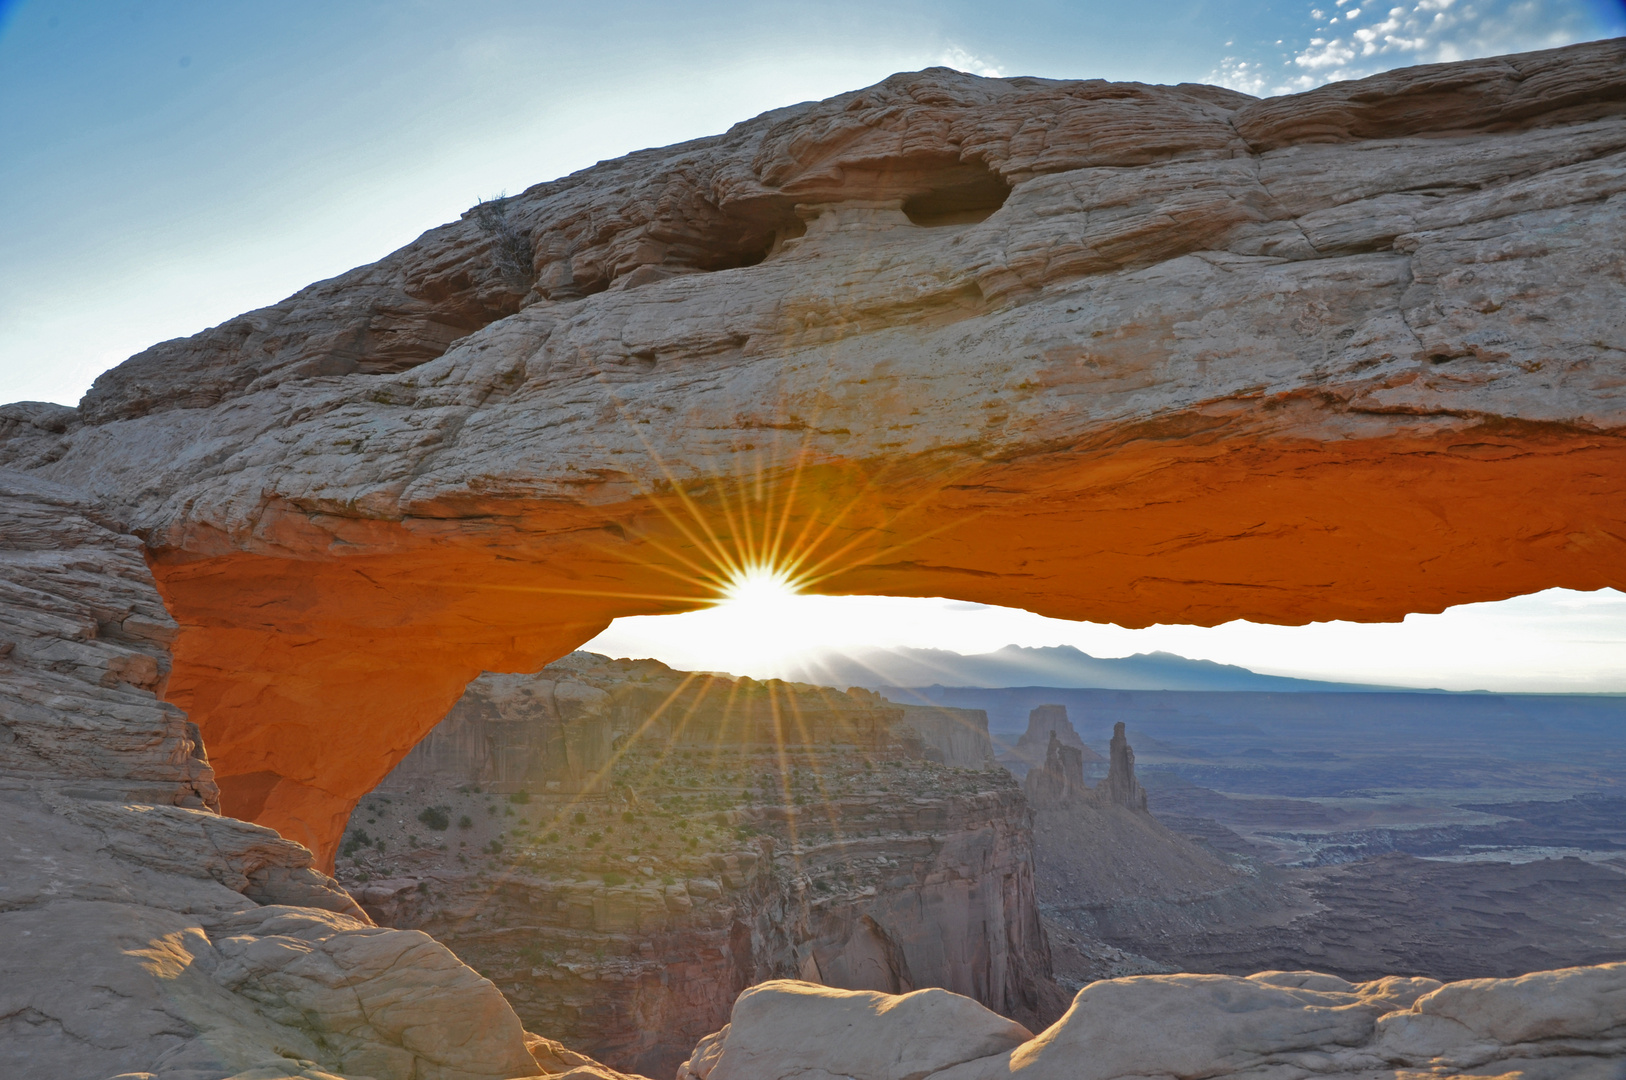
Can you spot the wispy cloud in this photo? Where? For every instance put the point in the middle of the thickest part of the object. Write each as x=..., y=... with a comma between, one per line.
x=1351, y=39
x=960, y=60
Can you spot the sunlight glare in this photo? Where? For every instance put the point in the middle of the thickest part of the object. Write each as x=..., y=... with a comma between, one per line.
x=760, y=590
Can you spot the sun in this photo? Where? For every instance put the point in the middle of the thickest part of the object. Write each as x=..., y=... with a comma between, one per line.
x=759, y=591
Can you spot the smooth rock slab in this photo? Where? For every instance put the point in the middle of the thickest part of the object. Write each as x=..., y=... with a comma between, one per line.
x=1568, y=1024
x=785, y=1027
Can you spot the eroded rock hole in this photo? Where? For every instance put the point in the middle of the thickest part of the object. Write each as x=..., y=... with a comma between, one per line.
x=963, y=200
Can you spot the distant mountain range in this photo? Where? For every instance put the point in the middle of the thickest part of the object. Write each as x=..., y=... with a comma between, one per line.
x=1058, y=666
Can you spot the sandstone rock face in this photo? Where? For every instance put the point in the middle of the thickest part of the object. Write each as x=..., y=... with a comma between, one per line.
x=957, y=737
x=721, y=844
x=1058, y=782
x=1120, y=786
x=1047, y=723
x=863, y=1033
x=515, y=732
x=1569, y=1023
x=141, y=933
x=1117, y=352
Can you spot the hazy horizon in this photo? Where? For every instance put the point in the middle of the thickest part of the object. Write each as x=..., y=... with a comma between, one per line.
x=1555, y=641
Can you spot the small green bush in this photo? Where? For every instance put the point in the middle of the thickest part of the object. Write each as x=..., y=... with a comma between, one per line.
x=435, y=817
x=465, y=822
x=628, y=816
x=580, y=818
x=612, y=878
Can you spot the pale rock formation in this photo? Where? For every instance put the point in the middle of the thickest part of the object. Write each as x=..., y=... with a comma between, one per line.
x=1059, y=781
x=1032, y=749
x=1106, y=351
x=1120, y=786
x=1568, y=1024
x=777, y=1025
x=957, y=737
x=141, y=933
x=513, y=732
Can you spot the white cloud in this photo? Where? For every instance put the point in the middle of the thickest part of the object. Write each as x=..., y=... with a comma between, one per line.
x=1248, y=76
x=960, y=60
x=1412, y=32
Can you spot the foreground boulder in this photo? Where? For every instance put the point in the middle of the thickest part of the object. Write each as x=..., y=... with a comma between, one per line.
x=1568, y=1024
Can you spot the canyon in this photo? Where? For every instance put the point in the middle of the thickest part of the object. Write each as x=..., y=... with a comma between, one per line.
x=1100, y=350
x=719, y=833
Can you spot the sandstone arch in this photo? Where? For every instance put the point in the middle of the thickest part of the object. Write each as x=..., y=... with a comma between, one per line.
x=1211, y=358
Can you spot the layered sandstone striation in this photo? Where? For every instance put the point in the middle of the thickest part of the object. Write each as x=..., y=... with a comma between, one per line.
x=1109, y=351
x=734, y=831
x=1568, y=1024
x=957, y=737
x=141, y=933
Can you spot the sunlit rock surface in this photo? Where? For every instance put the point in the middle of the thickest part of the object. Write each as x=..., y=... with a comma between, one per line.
x=141, y=933
x=1555, y=1025
x=1106, y=351
x=730, y=831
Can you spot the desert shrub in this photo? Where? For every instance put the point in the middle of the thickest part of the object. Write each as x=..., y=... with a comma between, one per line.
x=520, y=798
x=593, y=838
x=552, y=837
x=579, y=818
x=511, y=250
x=495, y=846
x=628, y=816
x=465, y=822
x=613, y=878
x=435, y=817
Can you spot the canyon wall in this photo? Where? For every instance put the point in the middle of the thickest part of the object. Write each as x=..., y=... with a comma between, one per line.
x=953, y=736
x=732, y=831
x=1103, y=351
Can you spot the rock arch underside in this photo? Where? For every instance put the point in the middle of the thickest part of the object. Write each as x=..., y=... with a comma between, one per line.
x=1099, y=350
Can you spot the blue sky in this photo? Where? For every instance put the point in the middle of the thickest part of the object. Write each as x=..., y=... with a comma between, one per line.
x=167, y=165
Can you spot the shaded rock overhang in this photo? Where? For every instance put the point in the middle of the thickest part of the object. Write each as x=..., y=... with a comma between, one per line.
x=1103, y=351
